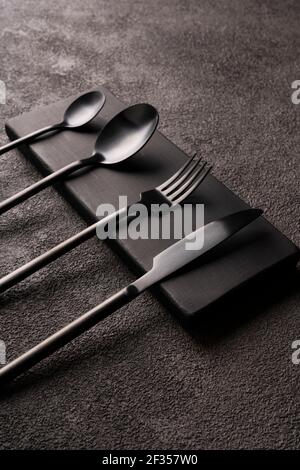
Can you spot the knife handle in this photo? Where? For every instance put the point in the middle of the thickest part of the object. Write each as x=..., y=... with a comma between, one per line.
x=66, y=334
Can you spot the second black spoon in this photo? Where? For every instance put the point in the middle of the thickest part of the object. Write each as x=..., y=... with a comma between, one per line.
x=78, y=114
x=122, y=137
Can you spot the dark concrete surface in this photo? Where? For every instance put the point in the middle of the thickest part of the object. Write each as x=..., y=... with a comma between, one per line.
x=220, y=74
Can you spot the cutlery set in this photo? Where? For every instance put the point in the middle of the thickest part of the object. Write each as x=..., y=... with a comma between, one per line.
x=121, y=138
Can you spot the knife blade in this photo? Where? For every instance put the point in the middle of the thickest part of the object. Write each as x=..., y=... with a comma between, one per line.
x=203, y=240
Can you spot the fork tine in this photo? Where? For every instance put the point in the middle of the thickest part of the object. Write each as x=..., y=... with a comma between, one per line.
x=193, y=184
x=178, y=173
x=187, y=181
x=178, y=184
x=181, y=179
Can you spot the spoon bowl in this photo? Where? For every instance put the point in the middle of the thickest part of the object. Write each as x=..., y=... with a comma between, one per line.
x=83, y=109
x=126, y=133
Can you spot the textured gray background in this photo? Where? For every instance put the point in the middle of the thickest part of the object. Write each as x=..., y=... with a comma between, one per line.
x=220, y=74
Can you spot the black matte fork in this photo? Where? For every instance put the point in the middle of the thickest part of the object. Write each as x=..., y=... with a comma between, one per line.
x=170, y=193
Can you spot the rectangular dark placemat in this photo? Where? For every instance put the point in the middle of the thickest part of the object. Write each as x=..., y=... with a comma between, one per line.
x=256, y=250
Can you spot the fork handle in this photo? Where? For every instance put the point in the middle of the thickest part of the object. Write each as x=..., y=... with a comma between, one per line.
x=56, y=252
x=42, y=184
x=67, y=334
x=28, y=138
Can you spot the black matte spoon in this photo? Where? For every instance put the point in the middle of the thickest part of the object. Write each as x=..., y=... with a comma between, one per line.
x=78, y=114
x=122, y=137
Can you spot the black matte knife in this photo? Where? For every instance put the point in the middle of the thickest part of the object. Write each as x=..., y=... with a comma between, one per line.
x=164, y=264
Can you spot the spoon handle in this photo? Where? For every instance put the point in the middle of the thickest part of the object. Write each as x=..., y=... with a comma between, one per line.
x=42, y=184
x=67, y=334
x=28, y=138
x=56, y=252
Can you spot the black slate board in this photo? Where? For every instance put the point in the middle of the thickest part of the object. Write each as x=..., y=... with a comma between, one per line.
x=255, y=251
